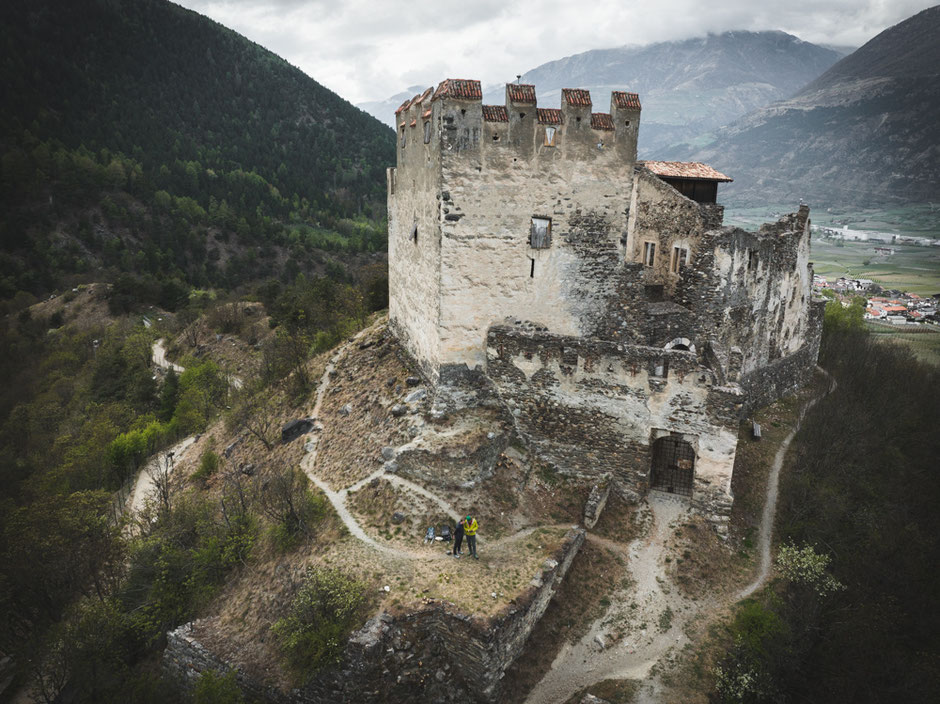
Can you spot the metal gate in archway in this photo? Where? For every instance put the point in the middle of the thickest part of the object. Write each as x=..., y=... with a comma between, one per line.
x=673, y=466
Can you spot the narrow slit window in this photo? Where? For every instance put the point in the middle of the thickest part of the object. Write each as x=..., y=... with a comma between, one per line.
x=661, y=368
x=414, y=233
x=680, y=259
x=403, y=138
x=531, y=268
x=649, y=253
x=549, y=136
x=540, y=233
x=427, y=131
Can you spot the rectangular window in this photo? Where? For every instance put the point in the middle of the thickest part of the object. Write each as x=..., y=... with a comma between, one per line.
x=549, y=136
x=540, y=234
x=649, y=253
x=680, y=259
x=427, y=131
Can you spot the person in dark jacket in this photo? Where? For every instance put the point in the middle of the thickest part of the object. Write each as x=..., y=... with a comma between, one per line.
x=458, y=537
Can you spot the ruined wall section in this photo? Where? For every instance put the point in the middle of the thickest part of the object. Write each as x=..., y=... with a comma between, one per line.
x=591, y=407
x=755, y=291
x=433, y=652
x=414, y=239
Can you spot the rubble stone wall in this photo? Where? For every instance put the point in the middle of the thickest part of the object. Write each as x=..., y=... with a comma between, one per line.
x=591, y=407
x=432, y=653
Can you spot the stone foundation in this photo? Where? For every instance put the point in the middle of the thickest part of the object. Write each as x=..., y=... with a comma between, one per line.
x=434, y=653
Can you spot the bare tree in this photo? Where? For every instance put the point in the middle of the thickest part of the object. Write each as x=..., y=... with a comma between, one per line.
x=258, y=414
x=284, y=499
x=159, y=473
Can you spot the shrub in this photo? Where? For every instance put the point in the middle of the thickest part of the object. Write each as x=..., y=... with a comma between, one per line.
x=213, y=688
x=324, y=612
x=208, y=464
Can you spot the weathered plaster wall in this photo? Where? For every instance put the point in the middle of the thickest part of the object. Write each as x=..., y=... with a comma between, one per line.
x=414, y=262
x=433, y=653
x=592, y=407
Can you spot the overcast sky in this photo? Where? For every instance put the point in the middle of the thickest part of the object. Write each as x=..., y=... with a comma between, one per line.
x=372, y=49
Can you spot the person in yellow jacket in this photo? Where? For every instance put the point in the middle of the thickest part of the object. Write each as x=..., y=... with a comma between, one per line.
x=470, y=532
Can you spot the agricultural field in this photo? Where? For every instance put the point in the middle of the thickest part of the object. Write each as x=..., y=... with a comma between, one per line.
x=911, y=269
x=924, y=341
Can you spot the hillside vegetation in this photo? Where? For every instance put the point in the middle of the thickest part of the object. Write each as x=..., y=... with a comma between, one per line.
x=851, y=618
x=142, y=138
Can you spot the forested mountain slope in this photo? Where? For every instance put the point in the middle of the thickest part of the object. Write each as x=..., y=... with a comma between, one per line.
x=140, y=136
x=862, y=133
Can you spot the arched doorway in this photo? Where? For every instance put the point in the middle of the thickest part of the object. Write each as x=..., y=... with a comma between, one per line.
x=673, y=466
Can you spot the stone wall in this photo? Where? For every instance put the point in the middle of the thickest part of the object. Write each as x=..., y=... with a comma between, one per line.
x=434, y=653
x=590, y=407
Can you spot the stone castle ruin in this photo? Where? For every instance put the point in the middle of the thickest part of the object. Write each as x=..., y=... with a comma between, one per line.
x=596, y=298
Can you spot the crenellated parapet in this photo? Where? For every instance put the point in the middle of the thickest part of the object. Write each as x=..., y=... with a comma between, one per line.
x=451, y=120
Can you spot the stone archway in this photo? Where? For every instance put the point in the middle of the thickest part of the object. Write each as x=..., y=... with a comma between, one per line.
x=680, y=343
x=673, y=466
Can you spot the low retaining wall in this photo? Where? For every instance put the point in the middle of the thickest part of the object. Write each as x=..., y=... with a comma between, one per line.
x=434, y=653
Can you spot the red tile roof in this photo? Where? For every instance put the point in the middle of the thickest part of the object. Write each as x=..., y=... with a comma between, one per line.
x=459, y=88
x=426, y=114
x=495, y=113
x=548, y=116
x=692, y=170
x=414, y=122
x=425, y=94
x=626, y=101
x=403, y=106
x=521, y=92
x=576, y=96
x=602, y=121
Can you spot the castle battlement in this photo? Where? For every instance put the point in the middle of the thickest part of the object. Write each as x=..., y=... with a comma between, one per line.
x=451, y=120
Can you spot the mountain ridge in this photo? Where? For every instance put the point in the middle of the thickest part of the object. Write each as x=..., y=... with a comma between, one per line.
x=861, y=133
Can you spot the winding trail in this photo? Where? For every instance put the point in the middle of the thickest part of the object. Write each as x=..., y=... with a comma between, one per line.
x=765, y=536
x=338, y=497
x=145, y=485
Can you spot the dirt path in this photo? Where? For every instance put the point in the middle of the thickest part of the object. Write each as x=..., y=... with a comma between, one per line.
x=159, y=357
x=651, y=613
x=765, y=536
x=144, y=487
x=338, y=497
x=654, y=613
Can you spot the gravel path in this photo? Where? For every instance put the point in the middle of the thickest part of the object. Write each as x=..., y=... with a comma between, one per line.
x=144, y=486
x=655, y=613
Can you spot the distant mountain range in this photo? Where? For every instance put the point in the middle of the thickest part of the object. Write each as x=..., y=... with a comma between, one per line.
x=687, y=87
x=864, y=132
